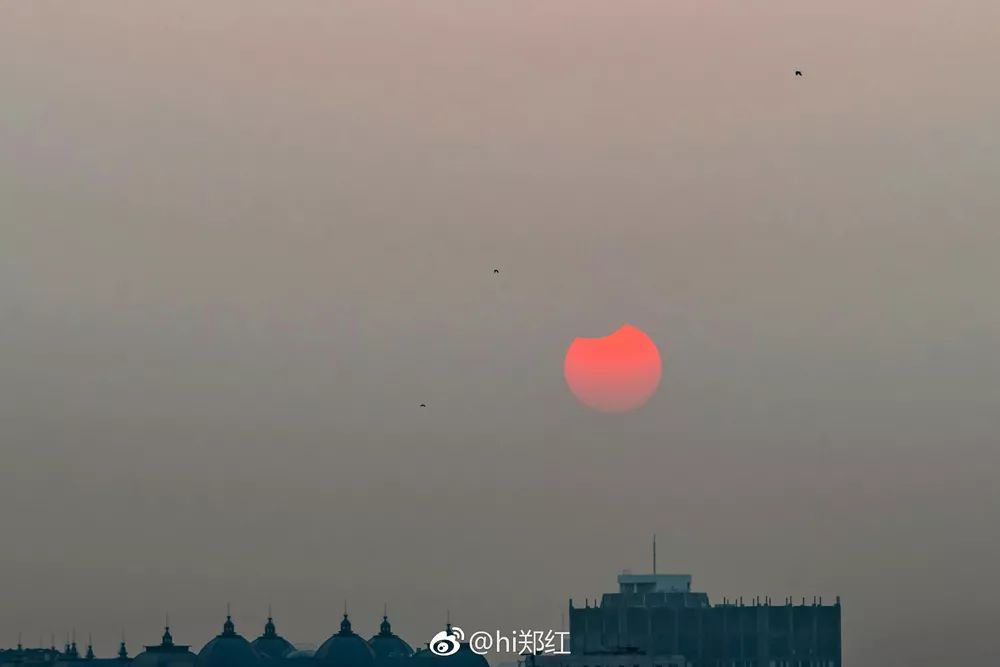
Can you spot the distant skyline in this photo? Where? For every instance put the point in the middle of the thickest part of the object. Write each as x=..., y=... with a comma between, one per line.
x=242, y=242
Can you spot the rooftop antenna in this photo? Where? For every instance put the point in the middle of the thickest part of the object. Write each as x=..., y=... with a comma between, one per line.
x=654, y=553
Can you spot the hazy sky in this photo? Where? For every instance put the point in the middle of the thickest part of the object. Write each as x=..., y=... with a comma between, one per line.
x=242, y=241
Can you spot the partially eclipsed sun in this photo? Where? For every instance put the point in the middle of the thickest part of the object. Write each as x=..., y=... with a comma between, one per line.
x=616, y=373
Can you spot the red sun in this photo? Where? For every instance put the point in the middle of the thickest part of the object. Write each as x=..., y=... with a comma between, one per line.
x=616, y=373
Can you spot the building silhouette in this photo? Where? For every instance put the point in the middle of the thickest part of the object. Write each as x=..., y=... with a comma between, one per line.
x=271, y=645
x=165, y=654
x=656, y=620
x=344, y=648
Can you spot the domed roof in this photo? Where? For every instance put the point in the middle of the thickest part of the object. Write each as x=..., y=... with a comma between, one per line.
x=301, y=654
x=271, y=644
x=345, y=649
x=167, y=654
x=387, y=645
x=228, y=649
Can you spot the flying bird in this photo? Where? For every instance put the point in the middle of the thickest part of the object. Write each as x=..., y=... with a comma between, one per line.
x=798, y=72
x=496, y=270
x=423, y=405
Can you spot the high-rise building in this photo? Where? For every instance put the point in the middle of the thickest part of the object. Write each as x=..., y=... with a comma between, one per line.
x=656, y=620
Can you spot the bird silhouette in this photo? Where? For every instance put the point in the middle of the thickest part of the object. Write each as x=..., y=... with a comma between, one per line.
x=496, y=270
x=798, y=72
x=423, y=405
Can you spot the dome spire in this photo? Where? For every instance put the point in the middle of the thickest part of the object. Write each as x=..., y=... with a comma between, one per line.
x=228, y=629
x=269, y=629
x=90, y=647
x=385, y=629
x=345, y=624
x=168, y=640
x=122, y=651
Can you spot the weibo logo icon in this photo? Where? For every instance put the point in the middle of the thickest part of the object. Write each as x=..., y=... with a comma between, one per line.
x=447, y=642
